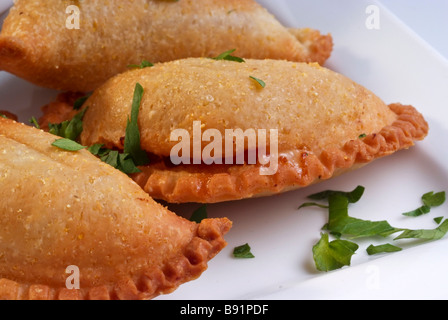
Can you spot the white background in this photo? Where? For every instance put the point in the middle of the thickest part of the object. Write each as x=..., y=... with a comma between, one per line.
x=429, y=19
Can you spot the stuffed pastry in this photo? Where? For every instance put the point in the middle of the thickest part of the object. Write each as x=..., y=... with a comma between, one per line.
x=310, y=124
x=76, y=46
x=72, y=227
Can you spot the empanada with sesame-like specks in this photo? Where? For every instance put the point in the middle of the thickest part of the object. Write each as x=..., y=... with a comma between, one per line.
x=326, y=125
x=62, y=209
x=41, y=42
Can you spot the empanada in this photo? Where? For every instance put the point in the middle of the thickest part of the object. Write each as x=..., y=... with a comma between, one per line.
x=63, y=209
x=326, y=124
x=36, y=44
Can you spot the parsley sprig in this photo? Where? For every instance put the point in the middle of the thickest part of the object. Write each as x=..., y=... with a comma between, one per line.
x=199, y=214
x=120, y=161
x=228, y=57
x=333, y=255
x=243, y=252
x=430, y=200
x=70, y=129
x=132, y=138
x=126, y=161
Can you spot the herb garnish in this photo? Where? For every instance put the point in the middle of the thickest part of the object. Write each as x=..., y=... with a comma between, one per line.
x=434, y=234
x=334, y=255
x=384, y=248
x=341, y=223
x=120, y=161
x=34, y=122
x=133, y=155
x=438, y=220
x=132, y=145
x=67, y=145
x=352, y=196
x=70, y=129
x=429, y=200
x=126, y=161
x=80, y=101
x=259, y=81
x=243, y=252
x=199, y=214
x=228, y=57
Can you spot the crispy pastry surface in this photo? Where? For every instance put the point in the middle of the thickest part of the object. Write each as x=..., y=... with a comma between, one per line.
x=327, y=123
x=36, y=45
x=61, y=208
x=311, y=106
x=296, y=169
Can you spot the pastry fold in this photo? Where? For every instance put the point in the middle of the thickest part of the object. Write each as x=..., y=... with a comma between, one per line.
x=37, y=45
x=327, y=124
x=62, y=209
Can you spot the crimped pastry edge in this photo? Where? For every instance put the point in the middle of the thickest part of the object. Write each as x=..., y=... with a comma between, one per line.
x=149, y=284
x=300, y=169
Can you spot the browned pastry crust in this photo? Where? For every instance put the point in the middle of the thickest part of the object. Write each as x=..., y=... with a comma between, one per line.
x=320, y=116
x=298, y=168
x=61, y=208
x=59, y=110
x=8, y=115
x=36, y=45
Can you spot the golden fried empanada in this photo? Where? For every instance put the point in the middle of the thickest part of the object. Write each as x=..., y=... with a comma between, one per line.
x=62, y=209
x=326, y=124
x=36, y=44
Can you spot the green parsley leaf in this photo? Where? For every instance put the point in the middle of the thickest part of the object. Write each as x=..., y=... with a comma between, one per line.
x=34, y=122
x=228, y=56
x=126, y=164
x=434, y=234
x=341, y=222
x=259, y=81
x=67, y=145
x=384, y=248
x=133, y=155
x=111, y=158
x=80, y=102
x=352, y=196
x=243, y=252
x=312, y=204
x=143, y=65
x=432, y=199
x=3, y=116
x=95, y=149
x=438, y=220
x=132, y=138
x=362, y=136
x=329, y=256
x=199, y=214
x=418, y=212
x=120, y=161
x=70, y=129
x=429, y=200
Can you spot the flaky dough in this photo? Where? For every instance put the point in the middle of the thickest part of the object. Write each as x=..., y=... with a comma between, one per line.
x=36, y=45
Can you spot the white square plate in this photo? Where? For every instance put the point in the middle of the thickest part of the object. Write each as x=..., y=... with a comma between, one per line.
x=399, y=67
